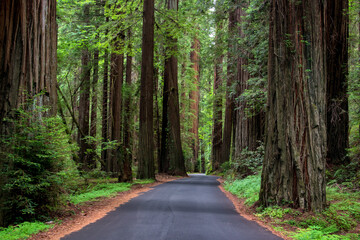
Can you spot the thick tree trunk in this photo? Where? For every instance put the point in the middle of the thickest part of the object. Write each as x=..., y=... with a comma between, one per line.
x=126, y=172
x=146, y=168
x=28, y=40
x=337, y=109
x=173, y=142
x=295, y=145
x=194, y=103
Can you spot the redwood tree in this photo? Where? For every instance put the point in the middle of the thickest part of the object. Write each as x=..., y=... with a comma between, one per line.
x=194, y=103
x=174, y=154
x=295, y=144
x=146, y=168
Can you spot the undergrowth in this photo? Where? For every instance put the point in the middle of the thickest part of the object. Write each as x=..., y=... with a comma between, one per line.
x=23, y=230
x=338, y=221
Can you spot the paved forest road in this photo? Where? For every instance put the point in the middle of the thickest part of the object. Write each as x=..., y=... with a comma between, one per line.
x=187, y=209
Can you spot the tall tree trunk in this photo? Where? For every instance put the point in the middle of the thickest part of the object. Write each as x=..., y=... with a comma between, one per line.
x=231, y=77
x=116, y=76
x=28, y=40
x=295, y=145
x=337, y=109
x=125, y=171
x=164, y=160
x=84, y=102
x=175, y=154
x=105, y=112
x=202, y=149
x=146, y=168
x=93, y=123
x=194, y=103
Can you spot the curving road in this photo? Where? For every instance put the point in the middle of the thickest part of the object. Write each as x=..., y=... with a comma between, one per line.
x=185, y=209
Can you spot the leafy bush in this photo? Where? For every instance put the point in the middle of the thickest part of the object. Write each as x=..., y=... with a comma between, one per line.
x=34, y=153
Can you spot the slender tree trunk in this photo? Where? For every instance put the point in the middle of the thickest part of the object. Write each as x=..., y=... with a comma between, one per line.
x=105, y=110
x=203, y=167
x=231, y=77
x=337, y=109
x=84, y=103
x=164, y=160
x=146, y=168
x=117, y=70
x=28, y=40
x=126, y=172
x=93, y=122
x=194, y=103
x=295, y=145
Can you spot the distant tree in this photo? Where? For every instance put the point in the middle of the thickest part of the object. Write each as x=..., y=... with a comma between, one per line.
x=218, y=94
x=295, y=144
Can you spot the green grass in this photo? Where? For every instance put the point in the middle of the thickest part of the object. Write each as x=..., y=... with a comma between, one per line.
x=23, y=230
x=93, y=192
x=247, y=188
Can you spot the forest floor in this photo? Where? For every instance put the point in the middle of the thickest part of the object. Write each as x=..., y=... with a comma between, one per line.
x=75, y=217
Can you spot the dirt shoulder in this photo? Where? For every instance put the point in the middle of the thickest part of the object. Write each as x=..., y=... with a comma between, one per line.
x=79, y=216
x=247, y=212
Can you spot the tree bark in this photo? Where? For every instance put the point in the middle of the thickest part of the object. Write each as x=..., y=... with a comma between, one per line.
x=194, y=103
x=173, y=140
x=116, y=76
x=295, y=144
x=146, y=168
x=337, y=108
x=126, y=172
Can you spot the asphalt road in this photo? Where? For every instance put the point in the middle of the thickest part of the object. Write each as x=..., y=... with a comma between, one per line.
x=185, y=209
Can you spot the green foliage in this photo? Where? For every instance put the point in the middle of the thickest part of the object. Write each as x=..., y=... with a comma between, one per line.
x=23, y=230
x=100, y=190
x=277, y=212
x=316, y=232
x=247, y=188
x=34, y=153
x=94, y=191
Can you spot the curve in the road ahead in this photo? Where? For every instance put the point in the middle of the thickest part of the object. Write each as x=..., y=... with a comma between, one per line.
x=187, y=209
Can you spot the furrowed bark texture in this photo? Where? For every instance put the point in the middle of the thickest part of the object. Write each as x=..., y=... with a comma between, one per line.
x=337, y=26
x=146, y=167
x=28, y=40
x=295, y=144
x=194, y=103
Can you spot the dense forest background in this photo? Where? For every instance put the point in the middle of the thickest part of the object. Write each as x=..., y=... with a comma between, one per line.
x=97, y=89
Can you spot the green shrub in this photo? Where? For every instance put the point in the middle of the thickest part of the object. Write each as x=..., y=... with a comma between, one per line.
x=35, y=151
